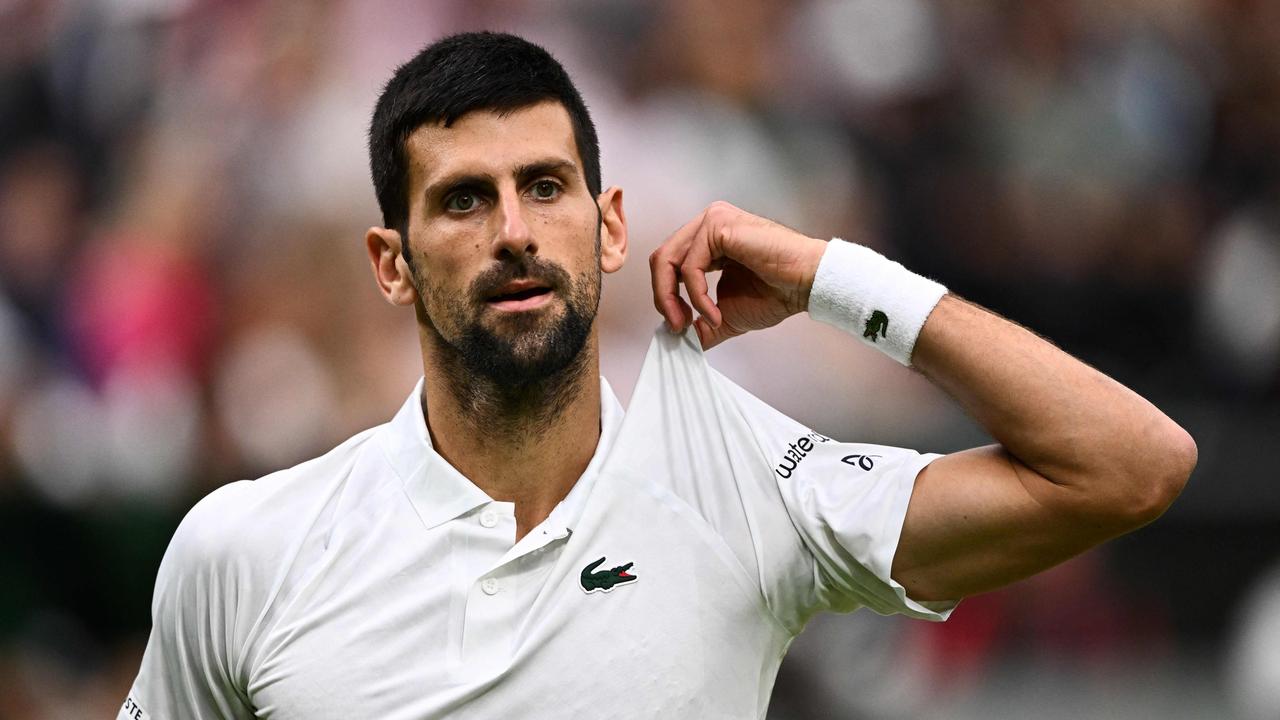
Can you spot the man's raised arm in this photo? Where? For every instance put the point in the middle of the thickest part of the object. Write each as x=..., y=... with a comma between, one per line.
x=1080, y=459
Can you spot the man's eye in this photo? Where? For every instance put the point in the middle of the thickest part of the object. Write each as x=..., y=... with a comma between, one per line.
x=545, y=189
x=460, y=202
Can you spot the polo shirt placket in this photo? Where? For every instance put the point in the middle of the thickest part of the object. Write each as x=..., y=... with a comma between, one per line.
x=494, y=579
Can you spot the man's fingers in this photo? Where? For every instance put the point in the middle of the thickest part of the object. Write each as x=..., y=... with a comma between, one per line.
x=698, y=260
x=695, y=282
x=706, y=334
x=713, y=336
x=664, y=270
x=666, y=294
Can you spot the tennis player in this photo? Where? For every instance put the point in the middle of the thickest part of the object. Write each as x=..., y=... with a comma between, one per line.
x=512, y=544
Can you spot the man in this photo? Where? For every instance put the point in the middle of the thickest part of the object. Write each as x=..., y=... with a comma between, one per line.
x=510, y=545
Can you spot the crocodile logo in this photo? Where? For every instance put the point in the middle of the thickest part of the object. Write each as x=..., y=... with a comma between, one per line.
x=877, y=324
x=605, y=580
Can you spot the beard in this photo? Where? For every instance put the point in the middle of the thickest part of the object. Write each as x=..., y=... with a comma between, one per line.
x=515, y=371
x=523, y=349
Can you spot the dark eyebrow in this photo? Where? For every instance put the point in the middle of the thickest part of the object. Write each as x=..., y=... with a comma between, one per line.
x=546, y=167
x=453, y=182
x=524, y=173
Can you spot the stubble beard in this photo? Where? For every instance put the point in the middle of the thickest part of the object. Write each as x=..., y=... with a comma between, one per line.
x=514, y=374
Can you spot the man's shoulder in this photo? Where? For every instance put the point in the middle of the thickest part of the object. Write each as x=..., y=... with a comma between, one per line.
x=252, y=522
x=683, y=408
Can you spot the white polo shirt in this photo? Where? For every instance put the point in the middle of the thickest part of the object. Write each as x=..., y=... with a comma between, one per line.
x=378, y=582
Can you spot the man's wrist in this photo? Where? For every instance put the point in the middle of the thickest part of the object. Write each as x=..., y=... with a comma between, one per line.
x=817, y=248
x=872, y=297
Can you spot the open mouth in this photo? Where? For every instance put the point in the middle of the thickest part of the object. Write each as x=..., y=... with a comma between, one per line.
x=520, y=296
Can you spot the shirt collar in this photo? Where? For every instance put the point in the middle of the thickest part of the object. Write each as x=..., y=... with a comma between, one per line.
x=568, y=512
x=440, y=493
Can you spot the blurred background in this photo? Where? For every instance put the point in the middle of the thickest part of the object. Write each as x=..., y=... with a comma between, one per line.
x=185, y=301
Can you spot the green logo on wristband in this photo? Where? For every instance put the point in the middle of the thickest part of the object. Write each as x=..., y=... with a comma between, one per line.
x=877, y=324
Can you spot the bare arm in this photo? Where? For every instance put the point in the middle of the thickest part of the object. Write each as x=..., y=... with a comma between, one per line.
x=1080, y=458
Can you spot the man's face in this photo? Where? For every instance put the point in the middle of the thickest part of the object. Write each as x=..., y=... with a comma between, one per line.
x=504, y=240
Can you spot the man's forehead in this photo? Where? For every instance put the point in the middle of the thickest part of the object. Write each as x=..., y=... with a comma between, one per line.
x=492, y=142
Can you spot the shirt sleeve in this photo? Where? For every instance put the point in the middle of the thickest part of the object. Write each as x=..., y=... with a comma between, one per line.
x=815, y=521
x=847, y=502
x=187, y=669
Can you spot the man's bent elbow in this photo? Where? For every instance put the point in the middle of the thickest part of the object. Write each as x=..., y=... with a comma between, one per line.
x=1184, y=455
x=1163, y=476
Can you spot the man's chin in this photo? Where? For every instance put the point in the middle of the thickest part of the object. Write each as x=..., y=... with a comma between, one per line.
x=519, y=359
x=527, y=366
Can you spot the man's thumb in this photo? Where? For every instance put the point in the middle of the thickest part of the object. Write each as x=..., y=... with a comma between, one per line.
x=711, y=336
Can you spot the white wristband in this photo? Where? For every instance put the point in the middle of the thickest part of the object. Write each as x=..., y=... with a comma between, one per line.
x=872, y=297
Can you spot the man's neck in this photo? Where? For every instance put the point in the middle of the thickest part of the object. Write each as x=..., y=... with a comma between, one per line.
x=527, y=448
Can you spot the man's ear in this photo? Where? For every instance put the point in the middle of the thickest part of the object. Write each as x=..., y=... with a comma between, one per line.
x=613, y=230
x=389, y=268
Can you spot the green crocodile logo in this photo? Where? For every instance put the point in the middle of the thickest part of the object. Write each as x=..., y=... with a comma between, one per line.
x=605, y=580
x=877, y=324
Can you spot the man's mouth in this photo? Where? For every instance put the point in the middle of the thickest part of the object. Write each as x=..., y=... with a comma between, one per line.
x=520, y=295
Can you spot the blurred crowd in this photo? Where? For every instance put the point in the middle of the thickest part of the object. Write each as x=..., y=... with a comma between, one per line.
x=185, y=299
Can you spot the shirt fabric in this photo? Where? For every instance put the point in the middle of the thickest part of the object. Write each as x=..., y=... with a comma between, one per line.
x=378, y=582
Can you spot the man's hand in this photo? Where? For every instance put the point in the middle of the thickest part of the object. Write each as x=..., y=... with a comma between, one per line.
x=1081, y=458
x=767, y=271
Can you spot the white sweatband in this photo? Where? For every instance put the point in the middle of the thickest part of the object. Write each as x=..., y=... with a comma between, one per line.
x=872, y=297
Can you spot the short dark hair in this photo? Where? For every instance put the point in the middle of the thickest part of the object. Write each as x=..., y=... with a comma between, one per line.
x=452, y=77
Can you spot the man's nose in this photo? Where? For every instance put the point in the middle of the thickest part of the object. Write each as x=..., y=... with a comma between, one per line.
x=514, y=237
